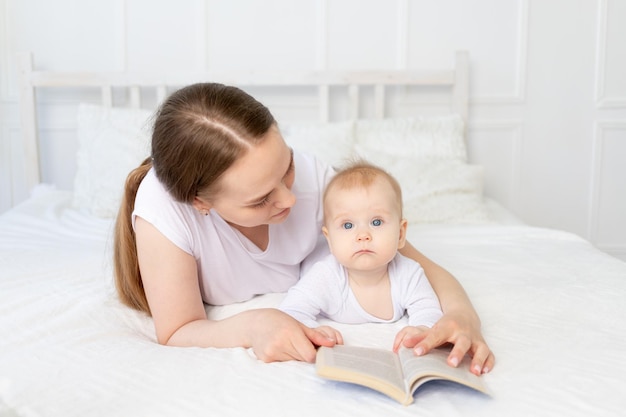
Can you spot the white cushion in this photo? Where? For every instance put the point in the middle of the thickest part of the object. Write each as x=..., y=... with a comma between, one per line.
x=330, y=142
x=436, y=137
x=435, y=190
x=428, y=156
x=111, y=142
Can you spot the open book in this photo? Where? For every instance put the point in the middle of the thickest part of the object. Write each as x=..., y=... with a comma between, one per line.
x=396, y=375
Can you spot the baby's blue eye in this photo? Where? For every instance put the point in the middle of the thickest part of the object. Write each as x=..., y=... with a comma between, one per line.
x=377, y=222
x=347, y=225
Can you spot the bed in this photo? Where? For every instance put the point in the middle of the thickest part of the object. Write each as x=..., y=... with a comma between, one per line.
x=553, y=307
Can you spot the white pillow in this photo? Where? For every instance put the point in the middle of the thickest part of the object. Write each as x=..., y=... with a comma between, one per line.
x=444, y=192
x=437, y=137
x=111, y=142
x=435, y=191
x=333, y=143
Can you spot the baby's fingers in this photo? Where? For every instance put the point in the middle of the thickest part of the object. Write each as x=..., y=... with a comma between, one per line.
x=398, y=340
x=427, y=341
x=408, y=337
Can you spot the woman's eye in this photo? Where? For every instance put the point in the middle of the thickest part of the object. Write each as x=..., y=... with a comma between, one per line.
x=261, y=203
x=347, y=225
x=377, y=222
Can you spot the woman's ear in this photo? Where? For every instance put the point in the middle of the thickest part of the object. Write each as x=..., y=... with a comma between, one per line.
x=402, y=238
x=202, y=206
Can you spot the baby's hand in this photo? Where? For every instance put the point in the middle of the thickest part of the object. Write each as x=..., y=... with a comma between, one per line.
x=330, y=333
x=406, y=333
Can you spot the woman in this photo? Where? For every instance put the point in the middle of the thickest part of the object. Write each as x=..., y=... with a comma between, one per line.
x=220, y=213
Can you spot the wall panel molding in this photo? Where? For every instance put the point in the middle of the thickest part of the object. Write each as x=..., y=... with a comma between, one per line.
x=12, y=161
x=321, y=35
x=121, y=34
x=602, y=100
x=402, y=31
x=59, y=167
x=519, y=89
x=6, y=171
x=202, y=36
x=509, y=132
x=10, y=90
x=4, y=65
x=597, y=163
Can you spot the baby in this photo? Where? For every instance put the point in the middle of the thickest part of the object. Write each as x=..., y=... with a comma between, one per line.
x=365, y=278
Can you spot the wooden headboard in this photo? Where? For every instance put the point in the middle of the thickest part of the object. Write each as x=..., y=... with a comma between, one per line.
x=457, y=79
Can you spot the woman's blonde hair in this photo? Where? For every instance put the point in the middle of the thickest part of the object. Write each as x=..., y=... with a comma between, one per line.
x=199, y=132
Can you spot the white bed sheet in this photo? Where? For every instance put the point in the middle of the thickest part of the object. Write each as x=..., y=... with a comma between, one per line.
x=552, y=306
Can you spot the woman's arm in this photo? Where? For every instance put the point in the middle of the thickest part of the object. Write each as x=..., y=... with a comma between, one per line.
x=460, y=324
x=170, y=280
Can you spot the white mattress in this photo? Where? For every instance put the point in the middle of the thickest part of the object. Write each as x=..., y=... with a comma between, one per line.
x=553, y=310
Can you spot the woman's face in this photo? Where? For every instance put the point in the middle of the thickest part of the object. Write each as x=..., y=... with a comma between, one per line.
x=256, y=189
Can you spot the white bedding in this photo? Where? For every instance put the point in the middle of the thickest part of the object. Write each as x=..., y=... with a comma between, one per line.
x=552, y=306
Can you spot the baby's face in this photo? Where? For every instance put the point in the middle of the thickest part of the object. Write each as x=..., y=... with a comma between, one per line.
x=363, y=226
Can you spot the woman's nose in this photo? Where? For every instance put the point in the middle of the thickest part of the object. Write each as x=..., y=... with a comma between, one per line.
x=285, y=198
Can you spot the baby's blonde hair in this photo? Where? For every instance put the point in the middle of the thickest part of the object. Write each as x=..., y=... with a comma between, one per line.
x=361, y=173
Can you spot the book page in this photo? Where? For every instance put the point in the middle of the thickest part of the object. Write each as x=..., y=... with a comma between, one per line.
x=434, y=366
x=378, y=364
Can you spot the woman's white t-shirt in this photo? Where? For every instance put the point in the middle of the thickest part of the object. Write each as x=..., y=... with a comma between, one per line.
x=230, y=267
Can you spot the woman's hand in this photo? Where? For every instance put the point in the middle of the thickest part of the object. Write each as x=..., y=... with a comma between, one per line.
x=463, y=334
x=459, y=325
x=276, y=336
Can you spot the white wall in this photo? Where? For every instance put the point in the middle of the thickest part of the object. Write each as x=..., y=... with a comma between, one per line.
x=548, y=95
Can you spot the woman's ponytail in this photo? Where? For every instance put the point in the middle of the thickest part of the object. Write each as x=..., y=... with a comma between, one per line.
x=126, y=265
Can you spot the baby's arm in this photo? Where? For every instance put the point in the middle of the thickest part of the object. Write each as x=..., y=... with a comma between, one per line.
x=421, y=303
x=301, y=305
x=308, y=298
